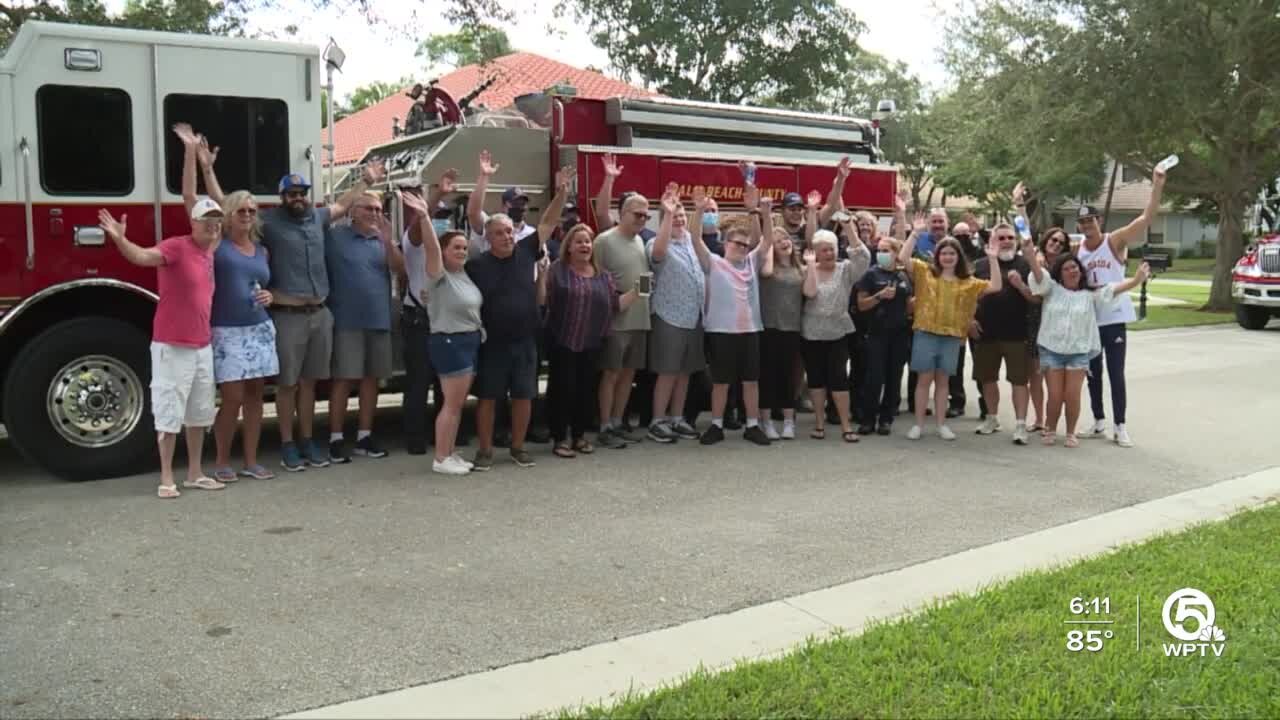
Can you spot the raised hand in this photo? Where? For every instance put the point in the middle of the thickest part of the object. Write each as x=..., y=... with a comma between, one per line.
x=1028, y=248
x=449, y=181
x=671, y=198
x=109, y=225
x=206, y=156
x=919, y=224
x=565, y=176
x=765, y=203
x=700, y=200
x=751, y=197
x=611, y=167
x=413, y=202
x=748, y=170
x=487, y=166
x=843, y=169
x=993, y=253
x=900, y=204
x=814, y=199
x=1019, y=194
x=1158, y=177
x=809, y=256
x=374, y=171
x=185, y=133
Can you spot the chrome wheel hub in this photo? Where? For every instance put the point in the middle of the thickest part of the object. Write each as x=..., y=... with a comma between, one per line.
x=95, y=401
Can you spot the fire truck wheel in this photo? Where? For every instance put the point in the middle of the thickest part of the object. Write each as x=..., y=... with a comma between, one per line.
x=76, y=400
x=1252, y=317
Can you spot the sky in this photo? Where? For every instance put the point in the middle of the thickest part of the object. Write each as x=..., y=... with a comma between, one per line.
x=899, y=29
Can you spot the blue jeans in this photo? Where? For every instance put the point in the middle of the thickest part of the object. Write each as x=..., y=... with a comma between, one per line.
x=1115, y=341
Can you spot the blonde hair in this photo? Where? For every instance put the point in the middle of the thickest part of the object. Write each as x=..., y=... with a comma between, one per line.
x=567, y=240
x=233, y=201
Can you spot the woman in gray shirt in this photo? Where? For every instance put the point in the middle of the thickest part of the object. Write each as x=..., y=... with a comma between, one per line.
x=453, y=310
x=828, y=285
x=781, y=306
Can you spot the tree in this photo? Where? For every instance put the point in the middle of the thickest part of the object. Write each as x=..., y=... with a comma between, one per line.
x=1138, y=79
x=725, y=50
x=474, y=45
x=194, y=16
x=373, y=93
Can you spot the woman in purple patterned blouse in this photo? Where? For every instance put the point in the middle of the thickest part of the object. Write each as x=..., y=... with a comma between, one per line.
x=581, y=302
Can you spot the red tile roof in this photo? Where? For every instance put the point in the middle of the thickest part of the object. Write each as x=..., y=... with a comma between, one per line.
x=517, y=73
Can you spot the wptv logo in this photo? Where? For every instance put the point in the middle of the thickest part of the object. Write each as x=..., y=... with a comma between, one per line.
x=1189, y=616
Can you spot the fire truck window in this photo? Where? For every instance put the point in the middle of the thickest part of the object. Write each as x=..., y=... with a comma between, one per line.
x=86, y=140
x=251, y=134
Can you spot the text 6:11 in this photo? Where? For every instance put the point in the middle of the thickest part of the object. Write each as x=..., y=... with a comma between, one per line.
x=1093, y=606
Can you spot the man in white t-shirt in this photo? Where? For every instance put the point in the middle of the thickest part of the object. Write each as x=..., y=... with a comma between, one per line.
x=1103, y=256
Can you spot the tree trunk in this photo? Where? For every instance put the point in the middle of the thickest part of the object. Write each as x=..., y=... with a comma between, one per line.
x=1231, y=208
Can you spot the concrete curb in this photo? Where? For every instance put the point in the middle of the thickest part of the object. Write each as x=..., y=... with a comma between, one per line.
x=605, y=672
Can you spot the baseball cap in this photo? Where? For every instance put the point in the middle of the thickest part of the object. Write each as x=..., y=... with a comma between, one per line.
x=293, y=182
x=1087, y=211
x=569, y=207
x=205, y=209
x=511, y=194
x=792, y=199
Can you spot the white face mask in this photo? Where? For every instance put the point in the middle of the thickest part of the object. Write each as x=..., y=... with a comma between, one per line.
x=1007, y=255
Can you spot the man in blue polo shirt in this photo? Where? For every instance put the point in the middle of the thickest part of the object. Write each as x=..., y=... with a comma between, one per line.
x=361, y=256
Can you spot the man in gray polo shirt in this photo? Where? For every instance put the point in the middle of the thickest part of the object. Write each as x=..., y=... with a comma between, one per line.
x=294, y=235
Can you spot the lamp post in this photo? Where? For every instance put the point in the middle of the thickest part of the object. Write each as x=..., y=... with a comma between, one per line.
x=333, y=60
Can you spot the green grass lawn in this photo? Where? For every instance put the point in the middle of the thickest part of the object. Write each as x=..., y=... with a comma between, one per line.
x=1167, y=316
x=1183, y=268
x=1003, y=652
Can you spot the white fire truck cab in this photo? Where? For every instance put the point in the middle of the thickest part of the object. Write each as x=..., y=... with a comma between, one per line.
x=85, y=118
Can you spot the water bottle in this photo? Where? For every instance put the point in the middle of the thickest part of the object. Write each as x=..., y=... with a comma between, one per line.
x=254, y=288
x=1021, y=224
x=1168, y=163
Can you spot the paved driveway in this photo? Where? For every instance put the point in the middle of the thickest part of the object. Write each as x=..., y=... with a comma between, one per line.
x=330, y=585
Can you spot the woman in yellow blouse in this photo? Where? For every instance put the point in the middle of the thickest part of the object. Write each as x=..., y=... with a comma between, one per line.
x=946, y=298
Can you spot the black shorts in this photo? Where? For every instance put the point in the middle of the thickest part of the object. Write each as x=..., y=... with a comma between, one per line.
x=734, y=358
x=508, y=368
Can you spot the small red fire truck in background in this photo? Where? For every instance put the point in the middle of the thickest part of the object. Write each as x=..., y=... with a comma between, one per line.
x=85, y=114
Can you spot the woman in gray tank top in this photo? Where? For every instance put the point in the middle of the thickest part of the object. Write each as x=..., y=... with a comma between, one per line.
x=453, y=309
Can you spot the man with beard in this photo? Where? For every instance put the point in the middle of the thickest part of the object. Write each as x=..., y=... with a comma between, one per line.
x=999, y=332
x=294, y=235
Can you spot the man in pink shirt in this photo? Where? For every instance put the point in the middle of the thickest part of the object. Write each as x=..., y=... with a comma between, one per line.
x=182, y=390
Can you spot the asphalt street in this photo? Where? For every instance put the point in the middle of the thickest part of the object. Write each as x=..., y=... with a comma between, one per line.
x=278, y=596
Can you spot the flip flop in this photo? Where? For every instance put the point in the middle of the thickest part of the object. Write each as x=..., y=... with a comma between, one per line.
x=564, y=451
x=1048, y=438
x=168, y=492
x=850, y=436
x=203, y=483
x=257, y=472
x=1072, y=441
x=818, y=434
x=225, y=474
x=584, y=446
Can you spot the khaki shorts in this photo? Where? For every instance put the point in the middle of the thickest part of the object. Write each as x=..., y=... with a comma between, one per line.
x=988, y=355
x=625, y=350
x=675, y=351
x=361, y=354
x=304, y=343
x=181, y=387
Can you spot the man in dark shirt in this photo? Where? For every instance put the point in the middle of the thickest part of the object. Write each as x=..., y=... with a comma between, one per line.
x=999, y=331
x=505, y=275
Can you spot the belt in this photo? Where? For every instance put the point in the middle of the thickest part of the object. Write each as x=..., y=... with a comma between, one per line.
x=298, y=308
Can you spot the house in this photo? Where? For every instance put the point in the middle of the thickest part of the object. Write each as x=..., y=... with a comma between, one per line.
x=1176, y=230
x=514, y=75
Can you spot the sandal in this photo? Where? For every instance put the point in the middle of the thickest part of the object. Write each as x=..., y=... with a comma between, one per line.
x=850, y=436
x=1035, y=427
x=1048, y=438
x=1072, y=441
x=257, y=472
x=225, y=474
x=818, y=434
x=168, y=492
x=583, y=446
x=203, y=483
x=564, y=451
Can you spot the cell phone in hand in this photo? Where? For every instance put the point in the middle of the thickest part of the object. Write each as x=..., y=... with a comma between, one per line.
x=644, y=286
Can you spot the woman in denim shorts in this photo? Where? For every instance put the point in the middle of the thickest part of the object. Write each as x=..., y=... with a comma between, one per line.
x=1068, y=336
x=453, y=312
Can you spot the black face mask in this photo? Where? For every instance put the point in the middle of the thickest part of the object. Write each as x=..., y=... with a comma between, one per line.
x=516, y=214
x=965, y=240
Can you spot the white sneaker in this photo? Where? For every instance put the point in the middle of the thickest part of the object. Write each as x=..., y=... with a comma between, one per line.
x=988, y=426
x=945, y=433
x=462, y=461
x=449, y=466
x=1122, y=437
x=770, y=431
x=1020, y=434
x=914, y=433
x=1099, y=430
x=788, y=429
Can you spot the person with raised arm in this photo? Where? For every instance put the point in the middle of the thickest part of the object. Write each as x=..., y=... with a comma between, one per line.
x=1053, y=243
x=582, y=304
x=506, y=274
x=1104, y=256
x=453, y=305
x=946, y=298
x=1068, y=337
x=733, y=320
x=242, y=334
x=182, y=384
x=883, y=297
x=999, y=333
x=825, y=325
x=781, y=309
x=680, y=261
x=514, y=207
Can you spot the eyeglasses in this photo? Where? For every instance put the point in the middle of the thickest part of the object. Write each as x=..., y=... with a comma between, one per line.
x=640, y=215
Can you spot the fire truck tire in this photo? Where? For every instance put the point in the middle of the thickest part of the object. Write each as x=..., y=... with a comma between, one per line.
x=1252, y=317
x=76, y=400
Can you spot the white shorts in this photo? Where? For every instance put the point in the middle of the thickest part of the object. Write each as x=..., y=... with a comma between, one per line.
x=182, y=390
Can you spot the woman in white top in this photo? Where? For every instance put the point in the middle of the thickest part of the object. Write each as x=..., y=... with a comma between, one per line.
x=1068, y=337
x=825, y=323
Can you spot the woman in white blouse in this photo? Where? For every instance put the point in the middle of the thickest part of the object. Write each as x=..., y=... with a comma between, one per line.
x=1068, y=336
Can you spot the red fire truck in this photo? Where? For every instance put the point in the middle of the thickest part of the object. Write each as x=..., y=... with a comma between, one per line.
x=85, y=114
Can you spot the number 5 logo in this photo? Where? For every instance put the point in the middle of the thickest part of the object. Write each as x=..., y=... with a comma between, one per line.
x=1186, y=604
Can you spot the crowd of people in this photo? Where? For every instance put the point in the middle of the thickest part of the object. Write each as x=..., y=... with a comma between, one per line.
x=629, y=320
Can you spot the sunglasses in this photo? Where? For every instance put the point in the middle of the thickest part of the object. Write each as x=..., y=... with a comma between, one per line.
x=641, y=215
